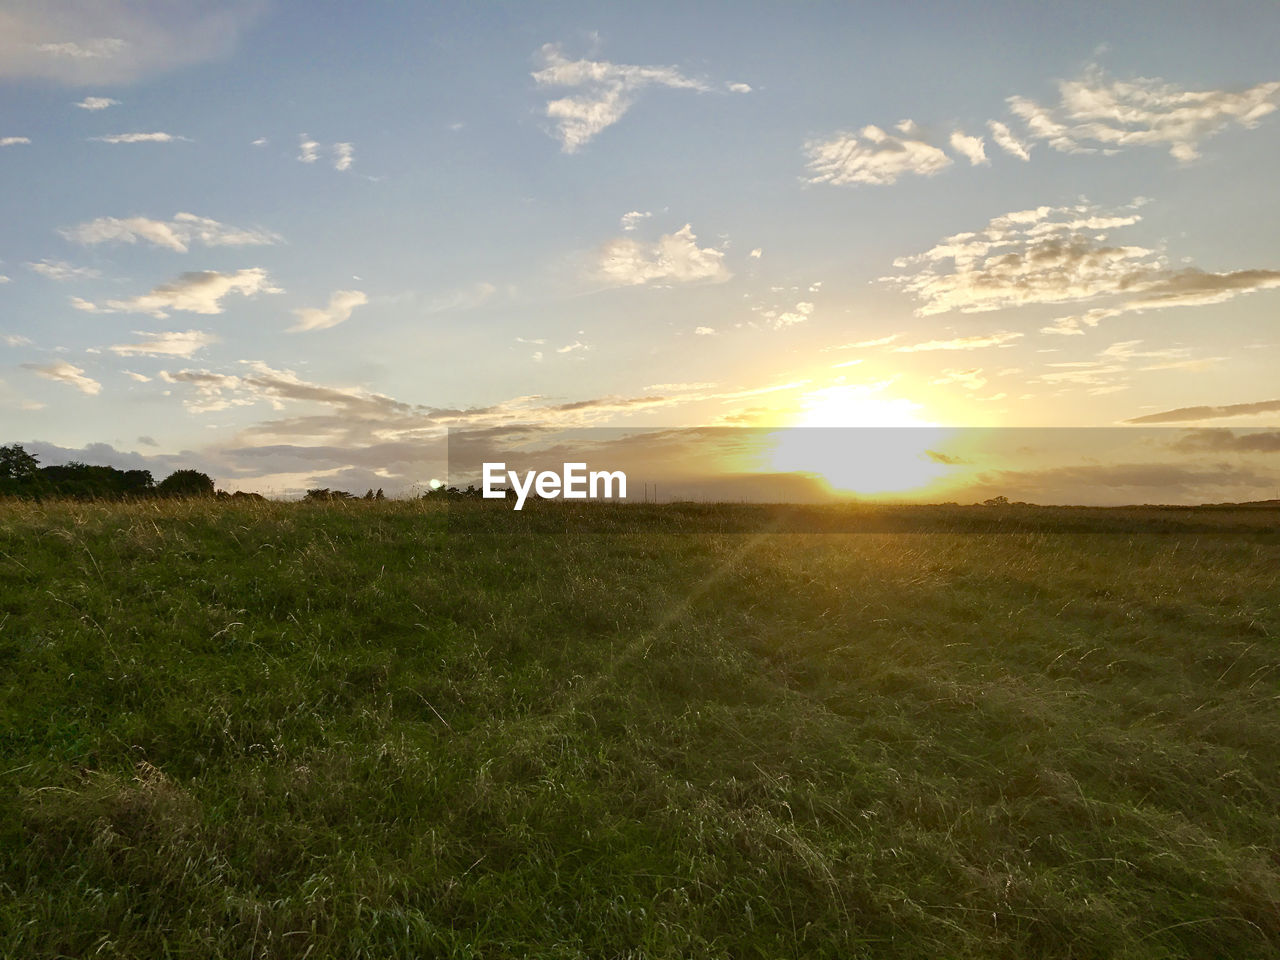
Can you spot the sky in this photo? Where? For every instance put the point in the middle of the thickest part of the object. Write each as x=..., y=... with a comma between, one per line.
x=293, y=243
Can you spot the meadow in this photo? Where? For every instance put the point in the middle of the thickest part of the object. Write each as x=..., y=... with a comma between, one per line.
x=410, y=729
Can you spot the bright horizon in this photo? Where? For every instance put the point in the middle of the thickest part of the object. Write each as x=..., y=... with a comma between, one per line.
x=293, y=249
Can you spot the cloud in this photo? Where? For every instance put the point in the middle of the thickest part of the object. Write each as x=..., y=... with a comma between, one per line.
x=604, y=92
x=464, y=298
x=13, y=141
x=571, y=347
x=1193, y=287
x=969, y=379
x=62, y=271
x=341, y=303
x=675, y=258
x=1111, y=368
x=1222, y=440
x=1003, y=338
x=1190, y=414
x=629, y=220
x=1139, y=481
x=64, y=372
x=739, y=87
x=169, y=344
x=863, y=344
x=969, y=147
x=1006, y=141
x=177, y=234
x=1097, y=113
x=705, y=331
x=1050, y=255
x=97, y=103
x=141, y=138
x=199, y=292
x=344, y=154
x=780, y=319
x=757, y=253
x=15, y=340
x=218, y=391
x=86, y=42
x=873, y=156
x=93, y=49
x=141, y=378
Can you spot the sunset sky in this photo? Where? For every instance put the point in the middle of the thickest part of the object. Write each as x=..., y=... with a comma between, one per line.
x=291, y=243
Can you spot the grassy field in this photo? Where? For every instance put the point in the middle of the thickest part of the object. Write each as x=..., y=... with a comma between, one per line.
x=388, y=730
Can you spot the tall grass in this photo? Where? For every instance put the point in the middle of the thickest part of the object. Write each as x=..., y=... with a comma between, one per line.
x=371, y=730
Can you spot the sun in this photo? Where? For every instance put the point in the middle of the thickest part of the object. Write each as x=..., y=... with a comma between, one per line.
x=859, y=440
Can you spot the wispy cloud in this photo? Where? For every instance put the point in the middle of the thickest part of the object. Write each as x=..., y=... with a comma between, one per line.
x=115, y=41
x=308, y=149
x=97, y=103
x=1098, y=113
x=1053, y=255
x=14, y=141
x=674, y=258
x=1192, y=414
x=979, y=342
x=629, y=220
x=464, y=298
x=62, y=271
x=971, y=148
x=1222, y=440
x=873, y=156
x=969, y=379
x=341, y=303
x=344, y=154
x=96, y=48
x=171, y=343
x=864, y=344
x=604, y=92
x=177, y=234
x=1006, y=140
x=158, y=137
x=199, y=292
x=780, y=319
x=63, y=372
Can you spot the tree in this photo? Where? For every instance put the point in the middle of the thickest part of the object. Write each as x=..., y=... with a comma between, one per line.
x=19, y=471
x=186, y=483
x=325, y=494
x=16, y=463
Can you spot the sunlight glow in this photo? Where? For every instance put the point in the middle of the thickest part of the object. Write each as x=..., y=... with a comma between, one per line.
x=864, y=442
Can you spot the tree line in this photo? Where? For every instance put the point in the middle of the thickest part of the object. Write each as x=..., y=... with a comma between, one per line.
x=22, y=476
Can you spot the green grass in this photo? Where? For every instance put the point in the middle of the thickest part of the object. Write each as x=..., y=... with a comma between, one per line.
x=368, y=730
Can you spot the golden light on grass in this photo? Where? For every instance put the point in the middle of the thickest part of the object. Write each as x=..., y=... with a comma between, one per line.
x=865, y=442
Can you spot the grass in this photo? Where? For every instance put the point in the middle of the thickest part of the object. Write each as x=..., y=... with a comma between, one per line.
x=395, y=730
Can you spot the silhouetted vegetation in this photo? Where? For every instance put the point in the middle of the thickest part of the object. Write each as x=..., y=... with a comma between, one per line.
x=325, y=495
x=22, y=476
x=471, y=493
